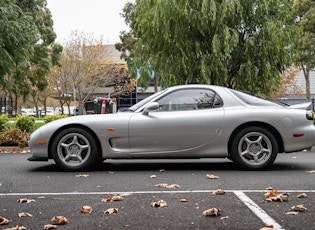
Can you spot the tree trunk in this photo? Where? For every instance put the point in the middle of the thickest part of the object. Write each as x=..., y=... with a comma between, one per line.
x=306, y=72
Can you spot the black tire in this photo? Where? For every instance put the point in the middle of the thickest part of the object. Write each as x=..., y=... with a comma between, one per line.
x=254, y=148
x=75, y=149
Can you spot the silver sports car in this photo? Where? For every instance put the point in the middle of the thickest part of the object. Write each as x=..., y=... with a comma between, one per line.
x=185, y=122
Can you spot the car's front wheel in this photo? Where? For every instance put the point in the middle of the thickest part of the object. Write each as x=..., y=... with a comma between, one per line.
x=75, y=149
x=254, y=148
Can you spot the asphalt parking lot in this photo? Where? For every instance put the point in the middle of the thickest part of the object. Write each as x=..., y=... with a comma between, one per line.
x=242, y=206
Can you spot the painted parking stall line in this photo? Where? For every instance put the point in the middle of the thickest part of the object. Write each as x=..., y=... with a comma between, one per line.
x=258, y=211
x=143, y=192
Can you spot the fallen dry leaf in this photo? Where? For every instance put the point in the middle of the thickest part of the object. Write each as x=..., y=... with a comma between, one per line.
x=218, y=192
x=25, y=200
x=112, y=198
x=224, y=217
x=153, y=176
x=158, y=204
x=268, y=227
x=273, y=196
x=3, y=221
x=183, y=200
x=210, y=176
x=110, y=172
x=212, y=212
x=294, y=213
x=25, y=214
x=59, y=220
x=111, y=211
x=172, y=186
x=81, y=175
x=311, y=171
x=50, y=226
x=162, y=170
x=86, y=209
x=162, y=185
x=298, y=208
x=17, y=227
x=302, y=195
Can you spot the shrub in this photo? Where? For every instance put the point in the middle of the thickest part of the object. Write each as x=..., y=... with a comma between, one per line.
x=50, y=118
x=26, y=124
x=4, y=120
x=14, y=137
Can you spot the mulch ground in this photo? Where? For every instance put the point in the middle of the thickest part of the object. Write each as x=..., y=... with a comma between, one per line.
x=13, y=149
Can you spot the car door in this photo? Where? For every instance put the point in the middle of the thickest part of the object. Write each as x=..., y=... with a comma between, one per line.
x=186, y=119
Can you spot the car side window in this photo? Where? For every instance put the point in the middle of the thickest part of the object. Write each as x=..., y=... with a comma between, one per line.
x=189, y=99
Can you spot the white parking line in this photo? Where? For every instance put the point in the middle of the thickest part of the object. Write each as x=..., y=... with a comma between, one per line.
x=144, y=192
x=258, y=211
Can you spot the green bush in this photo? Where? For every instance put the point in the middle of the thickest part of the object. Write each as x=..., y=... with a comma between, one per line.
x=50, y=118
x=4, y=121
x=26, y=124
x=14, y=137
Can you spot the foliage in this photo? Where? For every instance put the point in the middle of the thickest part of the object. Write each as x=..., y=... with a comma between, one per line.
x=303, y=20
x=87, y=67
x=3, y=122
x=27, y=48
x=25, y=123
x=288, y=84
x=14, y=137
x=54, y=117
x=237, y=43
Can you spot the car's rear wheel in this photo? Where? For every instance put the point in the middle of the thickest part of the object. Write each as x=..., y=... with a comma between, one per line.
x=75, y=149
x=254, y=148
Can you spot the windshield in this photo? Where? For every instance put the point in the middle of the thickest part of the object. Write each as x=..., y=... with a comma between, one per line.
x=144, y=101
x=252, y=100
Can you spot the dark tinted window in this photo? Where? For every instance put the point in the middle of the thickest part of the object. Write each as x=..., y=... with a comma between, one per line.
x=189, y=99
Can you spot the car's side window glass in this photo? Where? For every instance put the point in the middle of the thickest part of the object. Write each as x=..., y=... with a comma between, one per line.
x=189, y=99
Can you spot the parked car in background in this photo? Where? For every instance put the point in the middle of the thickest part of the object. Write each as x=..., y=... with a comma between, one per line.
x=185, y=122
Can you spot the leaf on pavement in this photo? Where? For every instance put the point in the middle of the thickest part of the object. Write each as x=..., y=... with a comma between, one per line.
x=224, y=217
x=293, y=213
x=183, y=200
x=112, y=198
x=162, y=170
x=17, y=227
x=60, y=220
x=163, y=185
x=82, y=175
x=298, y=208
x=110, y=172
x=50, y=226
x=86, y=209
x=153, y=176
x=158, y=204
x=210, y=176
x=302, y=195
x=212, y=212
x=218, y=192
x=268, y=227
x=25, y=214
x=311, y=171
x=273, y=196
x=111, y=211
x=4, y=221
x=25, y=200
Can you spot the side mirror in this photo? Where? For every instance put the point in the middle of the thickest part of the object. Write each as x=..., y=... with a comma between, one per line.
x=150, y=107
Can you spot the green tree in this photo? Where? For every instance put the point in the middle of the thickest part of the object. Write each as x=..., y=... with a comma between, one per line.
x=27, y=48
x=236, y=43
x=304, y=21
